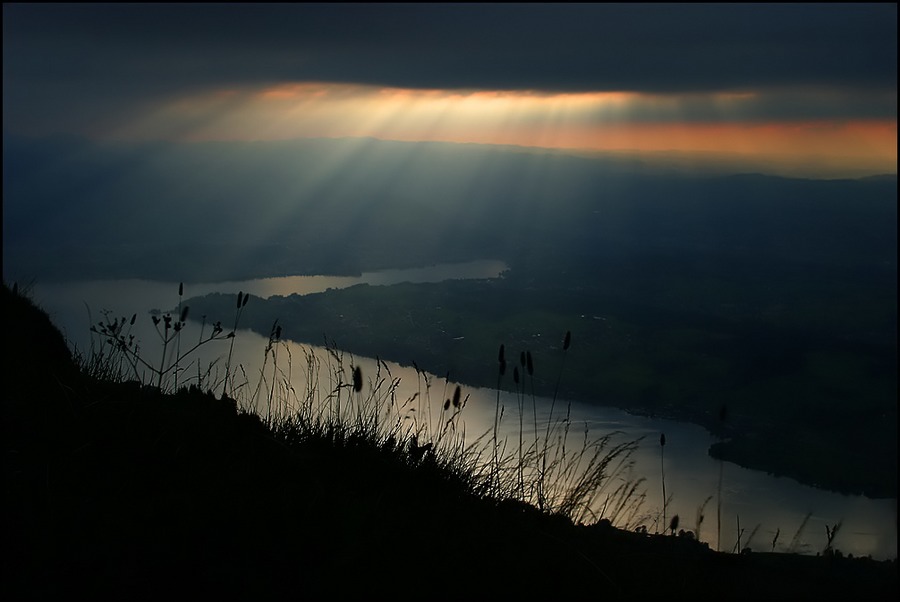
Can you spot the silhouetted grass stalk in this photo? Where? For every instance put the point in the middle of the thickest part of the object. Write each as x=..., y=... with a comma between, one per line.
x=722, y=415
x=701, y=516
x=662, y=468
x=567, y=341
x=794, y=547
x=501, y=370
x=529, y=361
x=830, y=533
x=521, y=403
x=183, y=314
x=241, y=303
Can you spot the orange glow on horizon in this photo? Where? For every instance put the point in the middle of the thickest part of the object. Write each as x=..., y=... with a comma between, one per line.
x=597, y=121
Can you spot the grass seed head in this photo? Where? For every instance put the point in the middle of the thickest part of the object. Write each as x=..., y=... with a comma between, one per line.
x=357, y=379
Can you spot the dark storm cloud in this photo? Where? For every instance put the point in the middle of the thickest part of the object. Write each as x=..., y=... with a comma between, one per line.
x=93, y=57
x=560, y=47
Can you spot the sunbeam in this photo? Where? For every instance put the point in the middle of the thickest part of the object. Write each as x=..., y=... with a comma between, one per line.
x=753, y=126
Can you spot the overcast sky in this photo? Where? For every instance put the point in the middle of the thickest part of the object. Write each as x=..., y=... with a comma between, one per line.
x=92, y=68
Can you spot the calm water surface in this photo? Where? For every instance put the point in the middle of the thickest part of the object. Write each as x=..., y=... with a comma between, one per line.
x=753, y=504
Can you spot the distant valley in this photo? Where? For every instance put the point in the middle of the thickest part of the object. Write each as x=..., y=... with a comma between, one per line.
x=685, y=292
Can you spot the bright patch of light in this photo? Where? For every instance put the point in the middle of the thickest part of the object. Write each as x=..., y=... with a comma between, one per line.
x=726, y=122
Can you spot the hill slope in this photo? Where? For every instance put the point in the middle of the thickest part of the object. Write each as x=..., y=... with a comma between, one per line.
x=116, y=490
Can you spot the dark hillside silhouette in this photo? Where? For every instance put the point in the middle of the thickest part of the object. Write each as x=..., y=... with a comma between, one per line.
x=113, y=490
x=33, y=348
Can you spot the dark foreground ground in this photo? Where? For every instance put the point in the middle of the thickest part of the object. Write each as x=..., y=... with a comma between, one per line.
x=113, y=491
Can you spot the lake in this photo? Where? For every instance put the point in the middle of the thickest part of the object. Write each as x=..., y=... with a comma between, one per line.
x=753, y=503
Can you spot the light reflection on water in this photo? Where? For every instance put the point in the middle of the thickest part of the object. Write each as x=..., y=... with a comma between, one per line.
x=752, y=502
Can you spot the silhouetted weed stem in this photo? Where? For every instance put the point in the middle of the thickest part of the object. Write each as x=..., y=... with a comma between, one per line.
x=662, y=468
x=830, y=533
x=701, y=510
x=182, y=312
x=750, y=537
x=529, y=364
x=520, y=398
x=567, y=341
x=167, y=321
x=274, y=339
x=171, y=331
x=272, y=345
x=119, y=347
x=106, y=362
x=501, y=370
x=794, y=547
x=723, y=414
x=241, y=303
